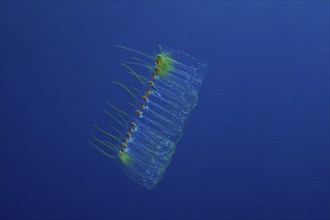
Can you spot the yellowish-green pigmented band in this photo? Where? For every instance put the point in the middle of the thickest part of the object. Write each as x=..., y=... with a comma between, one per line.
x=124, y=157
x=164, y=64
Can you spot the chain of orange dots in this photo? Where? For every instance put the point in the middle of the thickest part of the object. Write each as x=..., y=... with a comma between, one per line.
x=132, y=127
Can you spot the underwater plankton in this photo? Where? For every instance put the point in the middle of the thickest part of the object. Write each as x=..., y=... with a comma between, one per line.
x=146, y=139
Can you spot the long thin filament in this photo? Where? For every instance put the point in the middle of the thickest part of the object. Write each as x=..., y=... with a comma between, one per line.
x=124, y=87
x=136, y=51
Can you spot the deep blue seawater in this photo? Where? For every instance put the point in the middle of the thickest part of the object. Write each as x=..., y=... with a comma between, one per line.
x=256, y=146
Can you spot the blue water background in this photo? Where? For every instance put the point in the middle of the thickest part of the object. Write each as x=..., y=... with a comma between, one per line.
x=256, y=146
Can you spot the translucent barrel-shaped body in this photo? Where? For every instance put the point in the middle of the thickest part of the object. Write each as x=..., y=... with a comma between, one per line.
x=160, y=126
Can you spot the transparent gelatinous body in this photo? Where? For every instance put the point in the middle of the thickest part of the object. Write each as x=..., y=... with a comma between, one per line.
x=172, y=93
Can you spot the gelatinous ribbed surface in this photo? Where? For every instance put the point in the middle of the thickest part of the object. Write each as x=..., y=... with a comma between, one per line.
x=160, y=126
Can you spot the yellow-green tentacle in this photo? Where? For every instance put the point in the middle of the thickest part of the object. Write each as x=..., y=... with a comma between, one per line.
x=113, y=117
x=124, y=87
x=115, y=129
x=102, y=151
x=119, y=110
x=131, y=104
x=105, y=143
x=138, y=59
x=138, y=76
x=136, y=51
x=136, y=89
x=122, y=118
x=106, y=133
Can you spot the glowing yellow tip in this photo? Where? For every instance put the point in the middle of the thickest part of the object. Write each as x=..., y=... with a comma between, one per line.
x=124, y=157
x=164, y=64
